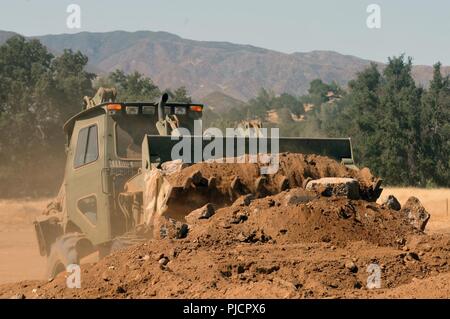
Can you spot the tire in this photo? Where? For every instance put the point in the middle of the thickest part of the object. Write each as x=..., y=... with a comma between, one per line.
x=63, y=252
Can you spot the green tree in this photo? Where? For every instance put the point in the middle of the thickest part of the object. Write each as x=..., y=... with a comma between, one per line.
x=400, y=124
x=180, y=95
x=38, y=93
x=133, y=87
x=435, y=155
x=357, y=116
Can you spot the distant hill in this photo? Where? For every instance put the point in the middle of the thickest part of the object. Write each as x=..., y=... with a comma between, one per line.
x=219, y=102
x=5, y=35
x=205, y=67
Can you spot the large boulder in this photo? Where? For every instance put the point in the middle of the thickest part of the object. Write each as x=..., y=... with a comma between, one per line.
x=335, y=186
x=204, y=212
x=392, y=203
x=416, y=213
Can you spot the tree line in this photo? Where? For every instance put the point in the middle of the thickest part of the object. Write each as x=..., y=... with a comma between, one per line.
x=38, y=93
x=400, y=130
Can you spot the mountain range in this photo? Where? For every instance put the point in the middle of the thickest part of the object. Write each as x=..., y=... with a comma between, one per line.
x=211, y=69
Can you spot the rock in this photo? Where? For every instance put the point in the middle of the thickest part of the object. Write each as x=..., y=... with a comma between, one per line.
x=267, y=270
x=416, y=213
x=170, y=228
x=298, y=196
x=158, y=256
x=306, y=181
x=337, y=186
x=413, y=255
x=244, y=200
x=240, y=269
x=241, y=237
x=182, y=232
x=203, y=212
x=392, y=203
x=163, y=261
x=174, y=252
x=240, y=217
x=174, y=166
x=254, y=237
x=121, y=290
x=357, y=285
x=226, y=270
x=106, y=275
x=18, y=296
x=350, y=265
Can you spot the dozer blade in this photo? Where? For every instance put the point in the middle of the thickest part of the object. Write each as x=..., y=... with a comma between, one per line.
x=159, y=148
x=165, y=195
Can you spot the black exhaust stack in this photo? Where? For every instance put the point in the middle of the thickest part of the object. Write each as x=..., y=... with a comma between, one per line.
x=161, y=105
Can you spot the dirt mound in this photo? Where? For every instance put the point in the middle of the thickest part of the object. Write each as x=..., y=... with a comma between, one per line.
x=243, y=178
x=188, y=269
x=222, y=183
x=295, y=244
x=298, y=216
x=277, y=240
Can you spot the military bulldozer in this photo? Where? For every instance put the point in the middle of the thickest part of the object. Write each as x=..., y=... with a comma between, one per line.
x=114, y=188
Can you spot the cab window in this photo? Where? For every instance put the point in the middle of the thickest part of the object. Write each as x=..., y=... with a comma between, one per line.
x=87, y=146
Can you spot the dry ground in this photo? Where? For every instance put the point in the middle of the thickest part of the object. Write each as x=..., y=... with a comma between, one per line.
x=19, y=255
x=20, y=260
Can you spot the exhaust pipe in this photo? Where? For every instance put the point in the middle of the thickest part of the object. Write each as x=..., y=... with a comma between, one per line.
x=161, y=105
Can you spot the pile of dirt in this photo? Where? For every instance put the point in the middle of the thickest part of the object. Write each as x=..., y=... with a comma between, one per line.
x=231, y=179
x=294, y=244
x=298, y=216
x=222, y=183
x=291, y=244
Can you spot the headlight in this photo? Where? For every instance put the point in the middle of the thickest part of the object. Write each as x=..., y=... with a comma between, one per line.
x=180, y=110
x=148, y=110
x=132, y=110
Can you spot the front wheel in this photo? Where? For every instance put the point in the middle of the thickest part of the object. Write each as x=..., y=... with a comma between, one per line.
x=66, y=250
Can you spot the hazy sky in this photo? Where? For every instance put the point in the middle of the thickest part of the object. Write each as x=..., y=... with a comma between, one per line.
x=420, y=29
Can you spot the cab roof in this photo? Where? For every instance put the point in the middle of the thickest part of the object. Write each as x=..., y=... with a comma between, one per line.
x=100, y=109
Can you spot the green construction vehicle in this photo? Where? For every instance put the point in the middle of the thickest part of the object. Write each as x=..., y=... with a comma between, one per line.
x=112, y=187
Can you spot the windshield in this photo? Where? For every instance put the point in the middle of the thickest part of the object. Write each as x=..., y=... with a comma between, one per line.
x=130, y=131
